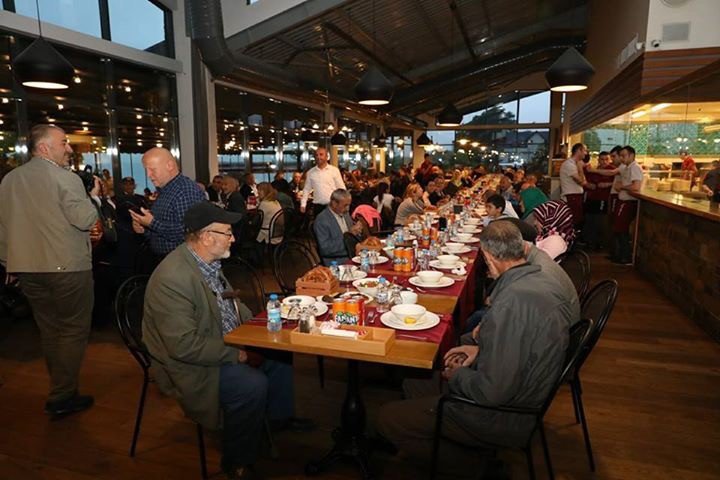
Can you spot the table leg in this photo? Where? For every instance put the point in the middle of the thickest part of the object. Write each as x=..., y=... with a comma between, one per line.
x=350, y=440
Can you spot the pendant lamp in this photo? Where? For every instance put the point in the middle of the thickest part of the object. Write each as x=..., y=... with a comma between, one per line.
x=571, y=72
x=41, y=65
x=423, y=140
x=449, y=117
x=338, y=139
x=374, y=88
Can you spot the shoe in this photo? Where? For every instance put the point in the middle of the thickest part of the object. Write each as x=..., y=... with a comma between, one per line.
x=620, y=261
x=74, y=404
x=293, y=424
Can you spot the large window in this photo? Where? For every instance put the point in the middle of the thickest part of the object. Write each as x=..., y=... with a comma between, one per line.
x=79, y=15
x=139, y=24
x=512, y=108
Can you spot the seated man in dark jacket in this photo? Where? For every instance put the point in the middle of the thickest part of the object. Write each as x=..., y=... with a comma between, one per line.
x=517, y=357
x=330, y=226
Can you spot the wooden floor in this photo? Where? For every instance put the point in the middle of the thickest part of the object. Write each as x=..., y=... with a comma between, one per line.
x=652, y=397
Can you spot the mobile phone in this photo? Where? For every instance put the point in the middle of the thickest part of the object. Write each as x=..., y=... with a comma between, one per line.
x=133, y=208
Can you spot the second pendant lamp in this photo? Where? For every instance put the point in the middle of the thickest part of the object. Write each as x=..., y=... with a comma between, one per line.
x=571, y=72
x=374, y=88
x=449, y=116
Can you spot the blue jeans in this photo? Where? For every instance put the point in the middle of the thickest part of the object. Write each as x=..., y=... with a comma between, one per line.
x=247, y=396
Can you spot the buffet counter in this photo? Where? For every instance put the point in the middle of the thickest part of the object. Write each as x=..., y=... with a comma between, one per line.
x=677, y=247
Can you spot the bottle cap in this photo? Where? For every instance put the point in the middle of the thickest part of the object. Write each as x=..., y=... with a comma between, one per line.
x=273, y=296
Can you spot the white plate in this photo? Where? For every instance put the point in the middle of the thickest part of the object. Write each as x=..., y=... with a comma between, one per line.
x=473, y=221
x=302, y=300
x=320, y=308
x=464, y=249
x=353, y=293
x=437, y=264
x=470, y=240
x=442, y=283
x=428, y=320
x=380, y=259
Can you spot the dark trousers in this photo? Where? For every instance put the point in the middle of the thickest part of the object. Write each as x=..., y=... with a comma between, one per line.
x=410, y=426
x=62, y=306
x=247, y=396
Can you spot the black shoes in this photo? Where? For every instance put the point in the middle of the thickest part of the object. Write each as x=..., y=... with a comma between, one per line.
x=75, y=404
x=297, y=425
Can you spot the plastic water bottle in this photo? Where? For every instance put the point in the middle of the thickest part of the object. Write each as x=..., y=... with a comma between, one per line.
x=390, y=242
x=382, y=296
x=335, y=269
x=274, y=323
x=400, y=234
x=365, y=261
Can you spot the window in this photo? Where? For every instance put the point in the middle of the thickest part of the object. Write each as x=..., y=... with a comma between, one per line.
x=512, y=108
x=79, y=15
x=534, y=107
x=139, y=24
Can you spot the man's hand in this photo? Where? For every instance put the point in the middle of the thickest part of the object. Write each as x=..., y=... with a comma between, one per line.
x=476, y=332
x=10, y=279
x=144, y=220
x=137, y=228
x=242, y=356
x=469, y=351
x=356, y=229
x=95, y=192
x=95, y=233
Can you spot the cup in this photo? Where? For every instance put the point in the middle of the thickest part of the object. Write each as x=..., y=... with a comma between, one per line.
x=408, y=297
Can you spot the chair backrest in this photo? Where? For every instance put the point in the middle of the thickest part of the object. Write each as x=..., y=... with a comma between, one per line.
x=576, y=264
x=350, y=242
x=293, y=222
x=291, y=261
x=246, y=283
x=276, y=228
x=129, y=304
x=579, y=335
x=250, y=226
x=598, y=304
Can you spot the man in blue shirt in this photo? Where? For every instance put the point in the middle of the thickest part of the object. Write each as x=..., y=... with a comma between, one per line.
x=163, y=224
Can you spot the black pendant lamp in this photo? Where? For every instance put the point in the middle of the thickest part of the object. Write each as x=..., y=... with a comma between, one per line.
x=571, y=72
x=374, y=88
x=449, y=117
x=338, y=139
x=41, y=65
x=423, y=140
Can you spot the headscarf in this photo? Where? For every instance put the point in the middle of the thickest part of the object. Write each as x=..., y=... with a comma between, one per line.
x=556, y=219
x=369, y=213
x=531, y=198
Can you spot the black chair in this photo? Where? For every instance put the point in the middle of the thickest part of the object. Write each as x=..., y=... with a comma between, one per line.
x=598, y=304
x=293, y=222
x=579, y=336
x=241, y=274
x=276, y=227
x=291, y=260
x=576, y=264
x=129, y=302
x=246, y=233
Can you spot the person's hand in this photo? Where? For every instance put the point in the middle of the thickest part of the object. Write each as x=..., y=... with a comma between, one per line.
x=144, y=220
x=137, y=228
x=469, y=351
x=10, y=279
x=95, y=233
x=476, y=332
x=590, y=186
x=95, y=192
x=356, y=229
x=242, y=356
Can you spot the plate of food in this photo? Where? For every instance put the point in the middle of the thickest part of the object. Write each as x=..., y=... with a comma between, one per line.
x=373, y=260
x=289, y=312
x=349, y=294
x=409, y=317
x=368, y=286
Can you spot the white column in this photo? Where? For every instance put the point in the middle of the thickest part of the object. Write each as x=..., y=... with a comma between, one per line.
x=186, y=111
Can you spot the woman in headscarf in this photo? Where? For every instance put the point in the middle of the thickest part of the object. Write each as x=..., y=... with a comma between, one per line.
x=554, y=223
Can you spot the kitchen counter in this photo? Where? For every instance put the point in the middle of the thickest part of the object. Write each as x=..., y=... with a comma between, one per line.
x=677, y=248
x=700, y=207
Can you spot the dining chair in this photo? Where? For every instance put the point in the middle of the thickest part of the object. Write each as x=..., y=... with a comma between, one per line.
x=579, y=336
x=598, y=304
x=129, y=303
x=576, y=264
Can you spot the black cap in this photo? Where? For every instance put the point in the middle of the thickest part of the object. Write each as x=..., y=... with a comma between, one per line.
x=203, y=214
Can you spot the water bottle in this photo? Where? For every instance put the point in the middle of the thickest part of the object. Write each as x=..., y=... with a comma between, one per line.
x=365, y=261
x=274, y=323
x=390, y=242
x=335, y=269
x=400, y=234
x=382, y=295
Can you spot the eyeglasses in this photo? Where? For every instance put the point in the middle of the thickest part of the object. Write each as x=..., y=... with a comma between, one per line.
x=227, y=234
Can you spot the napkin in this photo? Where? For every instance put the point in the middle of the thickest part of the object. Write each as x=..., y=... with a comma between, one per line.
x=459, y=270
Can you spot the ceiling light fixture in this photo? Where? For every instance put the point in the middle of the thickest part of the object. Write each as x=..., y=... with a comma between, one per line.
x=41, y=65
x=338, y=139
x=423, y=140
x=449, y=117
x=571, y=72
x=374, y=89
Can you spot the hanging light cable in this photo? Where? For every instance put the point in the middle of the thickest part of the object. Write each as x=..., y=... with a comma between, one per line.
x=450, y=116
x=41, y=65
x=374, y=88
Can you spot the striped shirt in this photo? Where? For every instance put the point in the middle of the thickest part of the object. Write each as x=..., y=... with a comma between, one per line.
x=211, y=274
x=167, y=229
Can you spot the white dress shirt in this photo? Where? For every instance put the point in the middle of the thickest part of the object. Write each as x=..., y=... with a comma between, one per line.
x=568, y=185
x=323, y=182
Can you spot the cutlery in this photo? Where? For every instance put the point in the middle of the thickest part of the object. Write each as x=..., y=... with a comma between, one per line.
x=412, y=337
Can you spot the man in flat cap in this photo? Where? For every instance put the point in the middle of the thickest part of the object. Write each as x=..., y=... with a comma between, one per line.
x=185, y=319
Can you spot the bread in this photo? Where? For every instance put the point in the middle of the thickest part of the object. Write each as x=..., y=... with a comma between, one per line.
x=318, y=281
x=371, y=243
x=318, y=274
